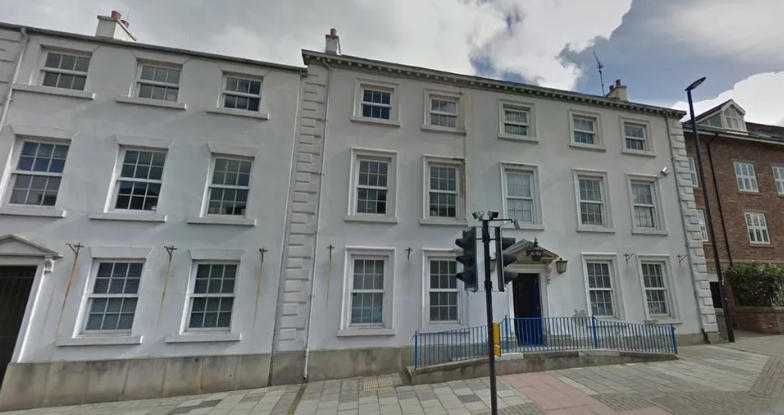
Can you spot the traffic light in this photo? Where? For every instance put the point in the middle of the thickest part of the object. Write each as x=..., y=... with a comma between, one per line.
x=468, y=258
x=502, y=259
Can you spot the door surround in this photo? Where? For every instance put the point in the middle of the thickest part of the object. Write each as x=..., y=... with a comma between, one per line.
x=540, y=269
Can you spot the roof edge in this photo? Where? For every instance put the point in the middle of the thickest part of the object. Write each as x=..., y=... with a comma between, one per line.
x=167, y=49
x=483, y=83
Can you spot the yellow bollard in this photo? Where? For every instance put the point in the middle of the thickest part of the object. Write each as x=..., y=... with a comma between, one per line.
x=497, y=339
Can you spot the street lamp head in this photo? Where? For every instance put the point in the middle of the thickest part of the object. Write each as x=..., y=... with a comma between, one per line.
x=695, y=84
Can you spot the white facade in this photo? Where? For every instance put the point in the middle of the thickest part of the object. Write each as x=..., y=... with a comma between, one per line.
x=396, y=130
x=196, y=158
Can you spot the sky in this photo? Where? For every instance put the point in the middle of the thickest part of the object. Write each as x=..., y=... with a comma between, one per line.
x=656, y=47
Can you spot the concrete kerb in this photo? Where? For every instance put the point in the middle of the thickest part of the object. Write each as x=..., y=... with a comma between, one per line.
x=529, y=362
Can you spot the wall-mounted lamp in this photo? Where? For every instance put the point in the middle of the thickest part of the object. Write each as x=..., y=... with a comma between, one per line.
x=560, y=265
x=535, y=251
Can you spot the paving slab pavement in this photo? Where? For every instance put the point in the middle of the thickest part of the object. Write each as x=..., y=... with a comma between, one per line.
x=745, y=378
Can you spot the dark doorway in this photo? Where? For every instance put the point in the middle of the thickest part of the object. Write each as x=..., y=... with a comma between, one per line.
x=15, y=285
x=528, y=309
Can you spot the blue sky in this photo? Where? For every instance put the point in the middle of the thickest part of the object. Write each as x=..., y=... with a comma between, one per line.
x=656, y=47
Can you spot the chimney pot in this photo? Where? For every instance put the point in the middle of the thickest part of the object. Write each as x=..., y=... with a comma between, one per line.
x=125, y=22
x=333, y=32
x=612, y=87
x=116, y=15
x=618, y=82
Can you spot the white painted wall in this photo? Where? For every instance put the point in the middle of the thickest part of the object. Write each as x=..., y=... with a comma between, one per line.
x=88, y=181
x=483, y=152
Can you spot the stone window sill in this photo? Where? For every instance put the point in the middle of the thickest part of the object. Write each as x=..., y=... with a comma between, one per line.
x=583, y=146
x=238, y=113
x=376, y=121
x=99, y=341
x=151, y=102
x=596, y=229
x=443, y=222
x=129, y=217
x=376, y=332
x=439, y=129
x=655, y=232
x=512, y=137
x=204, y=338
x=435, y=328
x=638, y=153
x=370, y=219
x=31, y=211
x=653, y=321
x=48, y=90
x=531, y=226
x=761, y=245
x=222, y=220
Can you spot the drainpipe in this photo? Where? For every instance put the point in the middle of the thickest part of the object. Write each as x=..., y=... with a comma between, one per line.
x=318, y=213
x=685, y=232
x=718, y=200
x=9, y=96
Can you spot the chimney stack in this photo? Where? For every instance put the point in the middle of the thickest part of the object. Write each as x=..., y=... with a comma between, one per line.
x=114, y=27
x=618, y=91
x=333, y=42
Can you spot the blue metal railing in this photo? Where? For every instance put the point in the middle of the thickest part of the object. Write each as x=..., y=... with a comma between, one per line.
x=543, y=334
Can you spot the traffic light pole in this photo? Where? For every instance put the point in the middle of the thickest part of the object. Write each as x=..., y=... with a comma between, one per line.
x=489, y=302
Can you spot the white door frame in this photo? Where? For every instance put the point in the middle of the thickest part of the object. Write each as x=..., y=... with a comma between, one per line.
x=543, y=271
x=43, y=265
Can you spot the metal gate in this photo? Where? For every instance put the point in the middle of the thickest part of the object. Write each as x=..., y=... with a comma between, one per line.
x=15, y=285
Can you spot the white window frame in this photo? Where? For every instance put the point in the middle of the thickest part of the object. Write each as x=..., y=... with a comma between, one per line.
x=606, y=200
x=447, y=96
x=386, y=327
x=139, y=81
x=660, y=227
x=693, y=174
x=533, y=170
x=359, y=87
x=778, y=178
x=388, y=156
x=753, y=185
x=704, y=235
x=15, y=172
x=460, y=207
x=88, y=297
x=669, y=287
x=598, y=136
x=239, y=77
x=118, y=178
x=528, y=107
x=762, y=229
x=462, y=295
x=190, y=296
x=647, y=139
x=729, y=118
x=44, y=69
x=615, y=279
x=210, y=185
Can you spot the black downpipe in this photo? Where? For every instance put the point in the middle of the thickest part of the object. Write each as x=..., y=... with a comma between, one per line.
x=718, y=200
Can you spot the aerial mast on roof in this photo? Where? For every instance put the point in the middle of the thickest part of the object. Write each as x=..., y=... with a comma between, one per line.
x=600, y=67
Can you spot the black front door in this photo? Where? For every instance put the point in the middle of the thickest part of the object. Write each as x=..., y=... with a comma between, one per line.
x=528, y=309
x=15, y=285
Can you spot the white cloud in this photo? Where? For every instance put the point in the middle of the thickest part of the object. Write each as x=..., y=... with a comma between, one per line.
x=442, y=34
x=745, y=30
x=759, y=95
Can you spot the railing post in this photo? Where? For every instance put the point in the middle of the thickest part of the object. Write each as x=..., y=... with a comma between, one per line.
x=595, y=333
x=416, y=349
x=674, y=343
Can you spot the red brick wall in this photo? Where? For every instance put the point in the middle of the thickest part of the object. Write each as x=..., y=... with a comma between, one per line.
x=766, y=320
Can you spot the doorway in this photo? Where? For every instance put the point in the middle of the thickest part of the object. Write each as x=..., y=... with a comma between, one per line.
x=15, y=285
x=528, y=310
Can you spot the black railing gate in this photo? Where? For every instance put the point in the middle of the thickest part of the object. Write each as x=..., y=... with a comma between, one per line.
x=15, y=285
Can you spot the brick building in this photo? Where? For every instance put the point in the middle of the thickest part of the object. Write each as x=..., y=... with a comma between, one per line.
x=744, y=171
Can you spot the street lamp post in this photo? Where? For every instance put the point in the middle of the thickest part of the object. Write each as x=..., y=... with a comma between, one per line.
x=708, y=217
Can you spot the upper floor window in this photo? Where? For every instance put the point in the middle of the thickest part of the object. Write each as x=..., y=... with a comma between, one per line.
x=521, y=194
x=647, y=214
x=241, y=93
x=229, y=187
x=703, y=225
x=63, y=70
x=517, y=120
x=734, y=119
x=592, y=201
x=39, y=170
x=140, y=179
x=636, y=137
x=585, y=130
x=158, y=82
x=757, y=227
x=443, y=112
x=112, y=303
x=443, y=187
x=695, y=182
x=778, y=176
x=746, y=177
x=372, y=194
x=376, y=103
